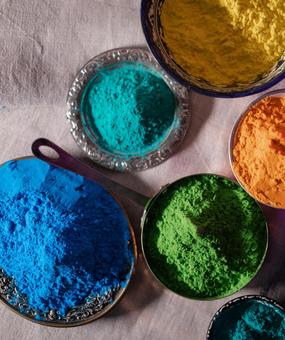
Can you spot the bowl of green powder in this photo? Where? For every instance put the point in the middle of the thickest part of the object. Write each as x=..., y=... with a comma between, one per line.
x=125, y=112
x=248, y=317
x=204, y=237
x=218, y=48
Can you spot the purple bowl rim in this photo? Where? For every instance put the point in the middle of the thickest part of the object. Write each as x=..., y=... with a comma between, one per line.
x=156, y=54
x=228, y=304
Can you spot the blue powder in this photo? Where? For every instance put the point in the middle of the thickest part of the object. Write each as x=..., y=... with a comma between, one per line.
x=62, y=236
x=130, y=109
x=250, y=320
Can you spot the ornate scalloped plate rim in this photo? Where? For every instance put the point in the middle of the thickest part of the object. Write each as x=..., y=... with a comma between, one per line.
x=105, y=158
x=118, y=294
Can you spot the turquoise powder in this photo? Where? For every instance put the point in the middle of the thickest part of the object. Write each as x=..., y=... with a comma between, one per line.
x=249, y=319
x=129, y=108
x=62, y=237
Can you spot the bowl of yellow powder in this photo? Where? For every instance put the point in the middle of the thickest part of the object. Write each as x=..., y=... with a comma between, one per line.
x=257, y=149
x=218, y=47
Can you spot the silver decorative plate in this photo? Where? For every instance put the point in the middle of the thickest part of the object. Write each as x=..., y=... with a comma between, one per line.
x=92, y=308
x=118, y=161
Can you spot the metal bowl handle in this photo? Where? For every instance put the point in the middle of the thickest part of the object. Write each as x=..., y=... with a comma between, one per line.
x=67, y=162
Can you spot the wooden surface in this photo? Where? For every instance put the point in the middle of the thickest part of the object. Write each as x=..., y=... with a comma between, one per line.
x=43, y=44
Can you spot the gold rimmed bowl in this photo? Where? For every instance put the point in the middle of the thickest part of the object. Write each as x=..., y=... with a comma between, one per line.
x=234, y=138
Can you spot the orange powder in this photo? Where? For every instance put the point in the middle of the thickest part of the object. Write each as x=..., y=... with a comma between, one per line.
x=259, y=151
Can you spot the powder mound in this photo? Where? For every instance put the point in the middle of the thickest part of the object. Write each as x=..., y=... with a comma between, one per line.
x=130, y=109
x=250, y=319
x=259, y=151
x=205, y=237
x=62, y=237
x=222, y=41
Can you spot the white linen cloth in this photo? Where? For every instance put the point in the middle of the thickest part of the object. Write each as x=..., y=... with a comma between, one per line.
x=43, y=43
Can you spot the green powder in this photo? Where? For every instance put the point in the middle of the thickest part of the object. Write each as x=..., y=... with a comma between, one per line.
x=249, y=319
x=205, y=237
x=130, y=109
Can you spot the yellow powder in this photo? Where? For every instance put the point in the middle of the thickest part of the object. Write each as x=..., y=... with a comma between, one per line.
x=259, y=151
x=224, y=41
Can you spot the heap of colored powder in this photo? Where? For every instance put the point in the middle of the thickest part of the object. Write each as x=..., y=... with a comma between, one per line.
x=62, y=237
x=130, y=109
x=223, y=41
x=259, y=151
x=205, y=237
x=249, y=319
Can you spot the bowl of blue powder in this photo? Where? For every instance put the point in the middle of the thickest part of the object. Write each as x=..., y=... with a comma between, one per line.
x=125, y=112
x=248, y=317
x=67, y=248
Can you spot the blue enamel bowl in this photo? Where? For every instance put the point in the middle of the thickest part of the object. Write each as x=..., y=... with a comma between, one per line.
x=150, y=18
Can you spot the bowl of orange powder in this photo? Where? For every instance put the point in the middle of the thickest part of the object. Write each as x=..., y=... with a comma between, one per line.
x=257, y=149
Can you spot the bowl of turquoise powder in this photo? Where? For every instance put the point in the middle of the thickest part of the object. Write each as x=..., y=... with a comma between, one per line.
x=67, y=248
x=204, y=237
x=248, y=317
x=125, y=112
